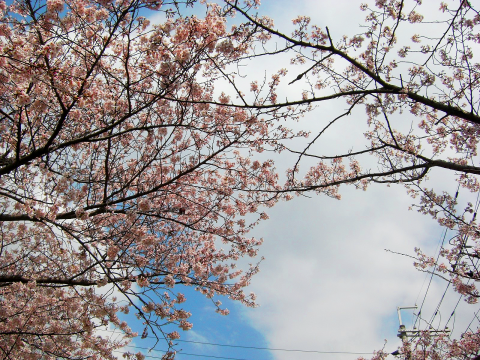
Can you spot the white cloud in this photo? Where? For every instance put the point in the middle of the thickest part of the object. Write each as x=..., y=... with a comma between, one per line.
x=328, y=284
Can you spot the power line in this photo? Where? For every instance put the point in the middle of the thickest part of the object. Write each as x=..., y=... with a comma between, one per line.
x=250, y=347
x=188, y=354
x=261, y=348
x=436, y=262
x=442, y=240
x=477, y=205
x=237, y=346
x=431, y=277
x=279, y=349
x=453, y=312
x=455, y=309
x=437, y=310
x=253, y=347
x=474, y=317
x=258, y=348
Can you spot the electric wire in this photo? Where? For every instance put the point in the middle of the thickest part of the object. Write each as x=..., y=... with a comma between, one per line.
x=188, y=354
x=455, y=309
x=477, y=317
x=477, y=204
x=437, y=309
x=453, y=325
x=430, y=281
x=440, y=242
x=251, y=347
x=471, y=322
x=453, y=312
x=257, y=348
x=278, y=349
x=428, y=325
x=431, y=276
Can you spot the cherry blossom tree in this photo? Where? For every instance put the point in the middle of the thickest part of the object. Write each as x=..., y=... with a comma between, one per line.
x=124, y=174
x=118, y=181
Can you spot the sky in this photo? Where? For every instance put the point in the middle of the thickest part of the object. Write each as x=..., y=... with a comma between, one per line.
x=330, y=281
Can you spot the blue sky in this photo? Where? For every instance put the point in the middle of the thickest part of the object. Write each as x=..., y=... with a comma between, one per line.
x=209, y=327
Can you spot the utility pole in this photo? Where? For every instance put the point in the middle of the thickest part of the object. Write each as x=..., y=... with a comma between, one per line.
x=402, y=330
x=404, y=334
